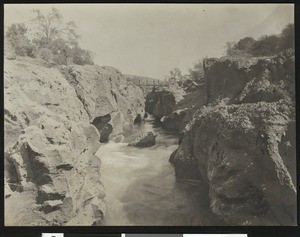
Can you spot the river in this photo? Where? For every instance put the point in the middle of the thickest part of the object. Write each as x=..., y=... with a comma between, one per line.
x=140, y=184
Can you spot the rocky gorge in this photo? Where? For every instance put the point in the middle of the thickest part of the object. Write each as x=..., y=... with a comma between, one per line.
x=236, y=135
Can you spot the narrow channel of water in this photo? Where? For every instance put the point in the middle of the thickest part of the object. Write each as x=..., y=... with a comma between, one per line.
x=140, y=183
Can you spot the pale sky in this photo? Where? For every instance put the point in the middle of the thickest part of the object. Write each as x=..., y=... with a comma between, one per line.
x=151, y=39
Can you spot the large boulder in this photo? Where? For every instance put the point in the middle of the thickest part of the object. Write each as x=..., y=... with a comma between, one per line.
x=160, y=103
x=242, y=143
x=144, y=140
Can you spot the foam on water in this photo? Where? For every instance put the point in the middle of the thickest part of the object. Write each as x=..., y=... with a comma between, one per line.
x=141, y=187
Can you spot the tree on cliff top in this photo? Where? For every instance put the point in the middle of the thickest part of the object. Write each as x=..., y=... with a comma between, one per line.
x=51, y=39
x=266, y=45
x=287, y=37
x=196, y=73
x=175, y=76
x=50, y=27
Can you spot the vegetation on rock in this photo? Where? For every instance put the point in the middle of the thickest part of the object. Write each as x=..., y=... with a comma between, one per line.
x=266, y=45
x=50, y=38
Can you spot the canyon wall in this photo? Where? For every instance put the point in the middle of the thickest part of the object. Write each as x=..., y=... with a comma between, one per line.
x=241, y=140
x=55, y=118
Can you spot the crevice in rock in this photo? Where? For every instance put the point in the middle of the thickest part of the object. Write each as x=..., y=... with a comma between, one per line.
x=64, y=167
x=104, y=128
x=251, y=202
x=138, y=119
x=27, y=121
x=45, y=196
x=51, y=206
x=10, y=116
x=83, y=103
x=105, y=132
x=12, y=176
x=114, y=95
x=37, y=172
x=50, y=140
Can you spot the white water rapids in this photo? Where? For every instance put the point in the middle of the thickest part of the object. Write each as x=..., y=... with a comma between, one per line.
x=140, y=183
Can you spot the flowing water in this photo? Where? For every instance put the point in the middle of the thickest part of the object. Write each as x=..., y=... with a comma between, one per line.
x=140, y=183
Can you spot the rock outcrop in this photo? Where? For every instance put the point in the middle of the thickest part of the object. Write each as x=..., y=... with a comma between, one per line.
x=173, y=106
x=55, y=119
x=160, y=103
x=242, y=142
x=144, y=140
x=106, y=97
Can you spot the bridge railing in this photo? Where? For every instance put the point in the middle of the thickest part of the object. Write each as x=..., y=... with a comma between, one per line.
x=148, y=83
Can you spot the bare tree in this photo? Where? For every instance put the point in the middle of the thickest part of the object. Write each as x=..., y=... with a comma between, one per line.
x=51, y=27
x=175, y=75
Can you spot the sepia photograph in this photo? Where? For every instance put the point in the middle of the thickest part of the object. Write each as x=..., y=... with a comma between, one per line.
x=149, y=115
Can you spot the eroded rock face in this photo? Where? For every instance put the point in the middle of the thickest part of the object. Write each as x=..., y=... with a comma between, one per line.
x=238, y=154
x=52, y=132
x=104, y=91
x=57, y=162
x=33, y=90
x=243, y=141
